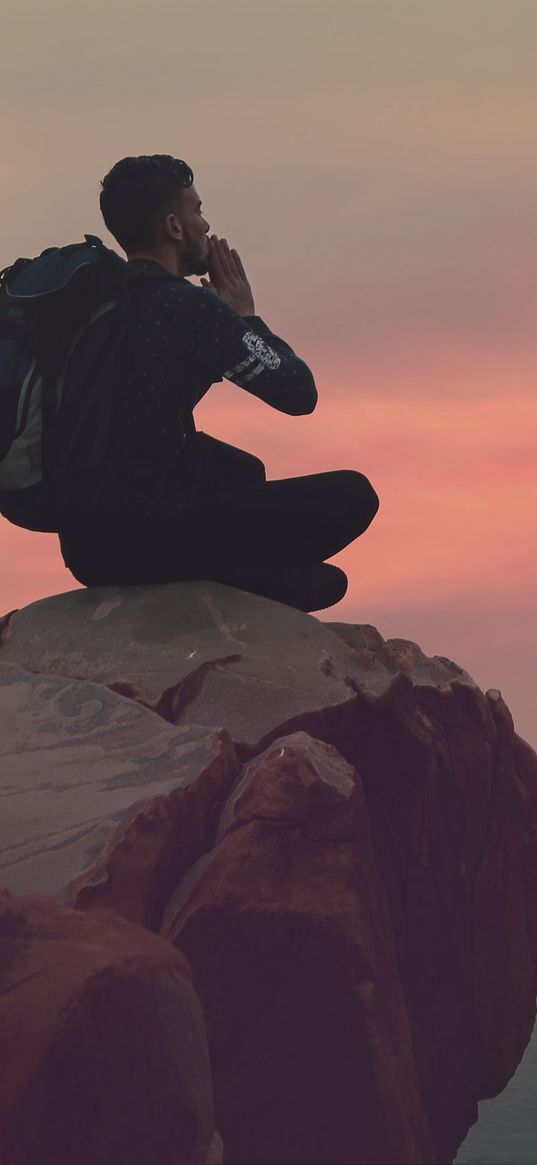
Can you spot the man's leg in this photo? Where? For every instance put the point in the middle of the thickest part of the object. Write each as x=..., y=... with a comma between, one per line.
x=296, y=520
x=289, y=527
x=286, y=527
x=217, y=465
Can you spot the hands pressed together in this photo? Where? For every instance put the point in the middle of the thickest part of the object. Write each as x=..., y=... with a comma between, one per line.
x=228, y=278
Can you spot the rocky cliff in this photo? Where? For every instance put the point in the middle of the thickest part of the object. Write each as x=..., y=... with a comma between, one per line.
x=333, y=835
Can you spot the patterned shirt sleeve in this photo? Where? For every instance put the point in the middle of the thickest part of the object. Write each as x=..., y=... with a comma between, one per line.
x=246, y=352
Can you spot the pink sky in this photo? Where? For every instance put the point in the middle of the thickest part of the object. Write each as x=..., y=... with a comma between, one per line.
x=375, y=164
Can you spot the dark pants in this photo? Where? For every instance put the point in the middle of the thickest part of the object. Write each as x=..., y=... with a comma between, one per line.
x=269, y=537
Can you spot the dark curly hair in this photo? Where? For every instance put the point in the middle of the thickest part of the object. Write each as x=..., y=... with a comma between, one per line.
x=136, y=191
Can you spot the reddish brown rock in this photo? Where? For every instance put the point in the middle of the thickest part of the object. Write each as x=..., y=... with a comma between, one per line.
x=504, y=906
x=286, y=926
x=452, y=801
x=156, y=843
x=452, y=797
x=104, y=1054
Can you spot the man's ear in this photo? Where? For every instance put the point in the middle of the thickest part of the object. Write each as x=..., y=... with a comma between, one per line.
x=172, y=227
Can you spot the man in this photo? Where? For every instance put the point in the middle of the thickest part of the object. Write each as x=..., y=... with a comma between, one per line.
x=184, y=505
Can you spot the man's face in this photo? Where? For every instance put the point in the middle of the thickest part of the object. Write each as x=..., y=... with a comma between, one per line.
x=195, y=232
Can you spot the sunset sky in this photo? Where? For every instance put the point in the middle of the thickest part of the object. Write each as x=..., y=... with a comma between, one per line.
x=375, y=163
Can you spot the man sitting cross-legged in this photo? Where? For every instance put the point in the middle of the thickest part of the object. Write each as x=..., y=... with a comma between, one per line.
x=184, y=505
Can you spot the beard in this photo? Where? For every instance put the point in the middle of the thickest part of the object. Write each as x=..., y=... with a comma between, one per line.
x=195, y=256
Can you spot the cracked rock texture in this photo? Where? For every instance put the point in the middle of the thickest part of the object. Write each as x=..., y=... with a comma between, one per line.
x=338, y=832
x=74, y=758
x=202, y=653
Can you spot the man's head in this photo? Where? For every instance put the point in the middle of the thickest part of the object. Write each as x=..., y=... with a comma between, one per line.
x=152, y=208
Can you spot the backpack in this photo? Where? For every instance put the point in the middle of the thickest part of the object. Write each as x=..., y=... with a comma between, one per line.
x=63, y=319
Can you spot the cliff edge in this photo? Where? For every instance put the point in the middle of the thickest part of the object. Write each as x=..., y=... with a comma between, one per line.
x=337, y=834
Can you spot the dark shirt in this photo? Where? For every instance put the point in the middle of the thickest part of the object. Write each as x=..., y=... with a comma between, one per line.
x=181, y=340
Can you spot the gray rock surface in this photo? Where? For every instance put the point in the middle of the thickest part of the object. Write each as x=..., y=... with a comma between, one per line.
x=208, y=654
x=74, y=756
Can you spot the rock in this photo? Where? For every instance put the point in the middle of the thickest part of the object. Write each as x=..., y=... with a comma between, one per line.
x=104, y=1053
x=215, y=1155
x=504, y=905
x=157, y=841
x=75, y=760
x=451, y=795
x=204, y=653
x=287, y=927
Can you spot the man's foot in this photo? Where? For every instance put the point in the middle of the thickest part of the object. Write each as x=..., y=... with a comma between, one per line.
x=309, y=587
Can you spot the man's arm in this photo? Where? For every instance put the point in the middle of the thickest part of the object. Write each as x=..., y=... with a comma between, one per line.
x=253, y=357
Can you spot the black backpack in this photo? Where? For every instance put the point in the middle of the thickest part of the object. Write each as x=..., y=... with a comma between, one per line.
x=62, y=325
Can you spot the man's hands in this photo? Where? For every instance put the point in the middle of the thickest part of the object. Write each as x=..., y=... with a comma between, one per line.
x=227, y=277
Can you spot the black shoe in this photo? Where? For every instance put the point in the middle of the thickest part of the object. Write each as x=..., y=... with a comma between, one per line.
x=311, y=587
